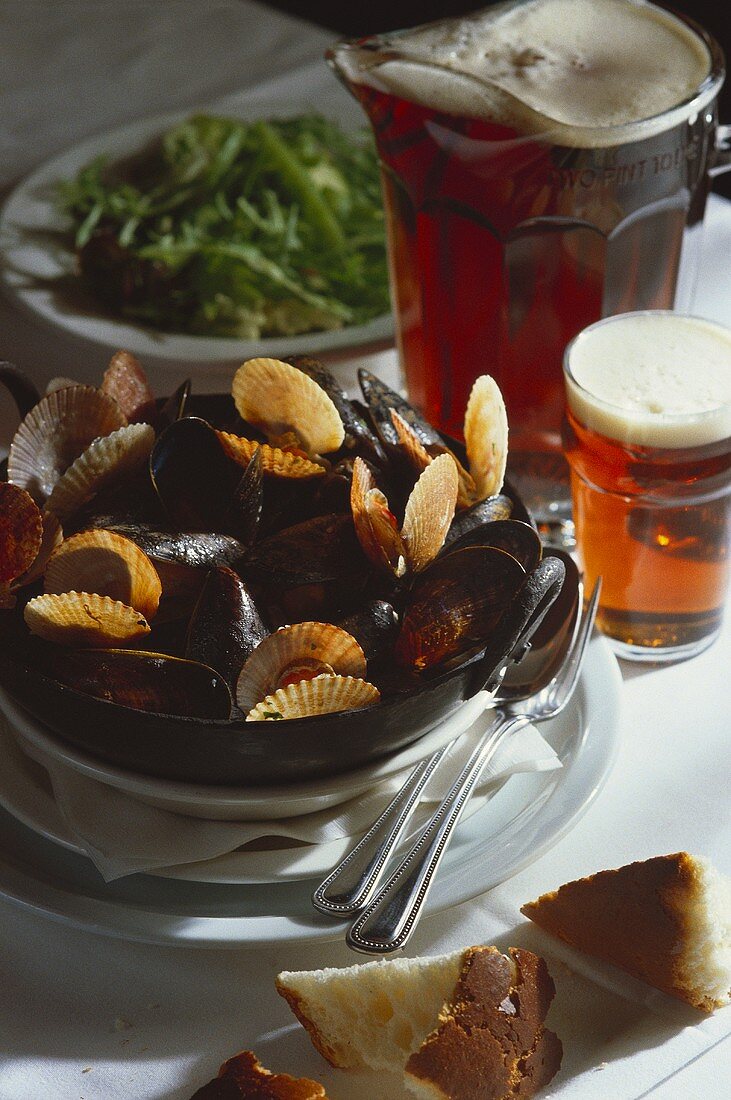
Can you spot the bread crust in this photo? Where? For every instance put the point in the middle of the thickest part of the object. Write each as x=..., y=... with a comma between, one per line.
x=490, y=1043
x=633, y=917
x=243, y=1077
x=329, y=1053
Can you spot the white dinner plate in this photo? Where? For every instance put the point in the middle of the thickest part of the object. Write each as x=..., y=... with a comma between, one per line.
x=527, y=816
x=32, y=257
x=237, y=803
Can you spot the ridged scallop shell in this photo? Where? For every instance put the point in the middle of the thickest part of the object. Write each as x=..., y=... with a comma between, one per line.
x=323, y=695
x=486, y=436
x=288, y=646
x=21, y=531
x=278, y=398
x=52, y=537
x=84, y=619
x=103, y=461
x=294, y=465
x=108, y=564
x=429, y=512
x=126, y=382
x=55, y=432
x=420, y=457
x=375, y=524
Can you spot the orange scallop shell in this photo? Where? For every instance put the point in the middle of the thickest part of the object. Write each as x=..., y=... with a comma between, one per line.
x=322, y=695
x=108, y=564
x=278, y=398
x=84, y=619
x=294, y=465
x=21, y=531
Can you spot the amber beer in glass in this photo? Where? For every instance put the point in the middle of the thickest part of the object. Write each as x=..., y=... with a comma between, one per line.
x=649, y=447
x=522, y=205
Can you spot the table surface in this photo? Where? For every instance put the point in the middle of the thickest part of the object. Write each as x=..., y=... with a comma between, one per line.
x=89, y=1017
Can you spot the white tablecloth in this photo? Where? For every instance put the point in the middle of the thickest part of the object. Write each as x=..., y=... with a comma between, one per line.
x=84, y=1016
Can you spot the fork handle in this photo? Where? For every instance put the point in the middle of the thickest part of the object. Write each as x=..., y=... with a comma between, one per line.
x=350, y=886
x=386, y=925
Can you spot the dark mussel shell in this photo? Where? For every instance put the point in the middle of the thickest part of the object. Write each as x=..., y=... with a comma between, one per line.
x=152, y=682
x=381, y=400
x=244, y=512
x=324, y=548
x=174, y=408
x=225, y=626
x=373, y=626
x=455, y=604
x=485, y=511
x=359, y=437
x=199, y=549
x=513, y=536
x=193, y=478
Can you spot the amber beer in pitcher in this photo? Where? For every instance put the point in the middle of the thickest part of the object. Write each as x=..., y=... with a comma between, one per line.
x=545, y=164
x=648, y=438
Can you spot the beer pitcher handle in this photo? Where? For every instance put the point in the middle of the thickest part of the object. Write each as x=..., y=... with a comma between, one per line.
x=722, y=160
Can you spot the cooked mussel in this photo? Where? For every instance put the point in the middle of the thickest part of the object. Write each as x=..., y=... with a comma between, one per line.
x=373, y=627
x=324, y=548
x=381, y=401
x=144, y=681
x=511, y=535
x=484, y=511
x=455, y=604
x=225, y=627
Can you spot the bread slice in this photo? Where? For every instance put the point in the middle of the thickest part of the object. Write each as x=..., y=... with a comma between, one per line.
x=243, y=1077
x=466, y=1025
x=665, y=920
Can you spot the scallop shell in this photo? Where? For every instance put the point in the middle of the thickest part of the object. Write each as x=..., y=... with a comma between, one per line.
x=429, y=512
x=84, y=619
x=52, y=537
x=108, y=564
x=323, y=695
x=420, y=456
x=61, y=383
x=55, y=432
x=103, y=461
x=126, y=382
x=276, y=462
x=375, y=524
x=21, y=531
x=486, y=436
x=288, y=646
x=278, y=398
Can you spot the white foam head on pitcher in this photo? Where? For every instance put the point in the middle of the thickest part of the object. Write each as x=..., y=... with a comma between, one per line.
x=654, y=379
x=591, y=73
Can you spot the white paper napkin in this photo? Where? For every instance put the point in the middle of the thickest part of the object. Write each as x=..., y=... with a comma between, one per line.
x=123, y=835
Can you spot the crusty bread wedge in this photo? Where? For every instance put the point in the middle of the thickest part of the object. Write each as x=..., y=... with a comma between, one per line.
x=452, y=1025
x=665, y=920
x=243, y=1077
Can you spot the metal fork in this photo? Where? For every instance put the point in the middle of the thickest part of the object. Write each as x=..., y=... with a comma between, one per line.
x=386, y=925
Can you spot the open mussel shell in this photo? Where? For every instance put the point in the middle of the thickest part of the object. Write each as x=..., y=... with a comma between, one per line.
x=108, y=564
x=193, y=477
x=174, y=408
x=381, y=399
x=456, y=604
x=324, y=548
x=515, y=537
x=225, y=627
x=485, y=511
x=152, y=682
x=373, y=627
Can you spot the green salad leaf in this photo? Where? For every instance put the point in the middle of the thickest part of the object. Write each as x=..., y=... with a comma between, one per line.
x=230, y=228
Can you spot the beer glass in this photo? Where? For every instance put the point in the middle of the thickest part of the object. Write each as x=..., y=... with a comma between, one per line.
x=505, y=242
x=651, y=487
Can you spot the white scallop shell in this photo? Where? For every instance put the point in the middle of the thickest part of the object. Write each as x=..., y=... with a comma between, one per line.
x=322, y=695
x=486, y=436
x=322, y=642
x=55, y=432
x=103, y=461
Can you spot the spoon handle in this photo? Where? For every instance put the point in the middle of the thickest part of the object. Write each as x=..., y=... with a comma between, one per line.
x=351, y=885
x=388, y=922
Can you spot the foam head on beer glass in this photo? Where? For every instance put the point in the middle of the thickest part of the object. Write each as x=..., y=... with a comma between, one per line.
x=647, y=434
x=545, y=164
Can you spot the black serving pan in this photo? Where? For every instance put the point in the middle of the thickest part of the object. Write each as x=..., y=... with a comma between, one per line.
x=235, y=752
